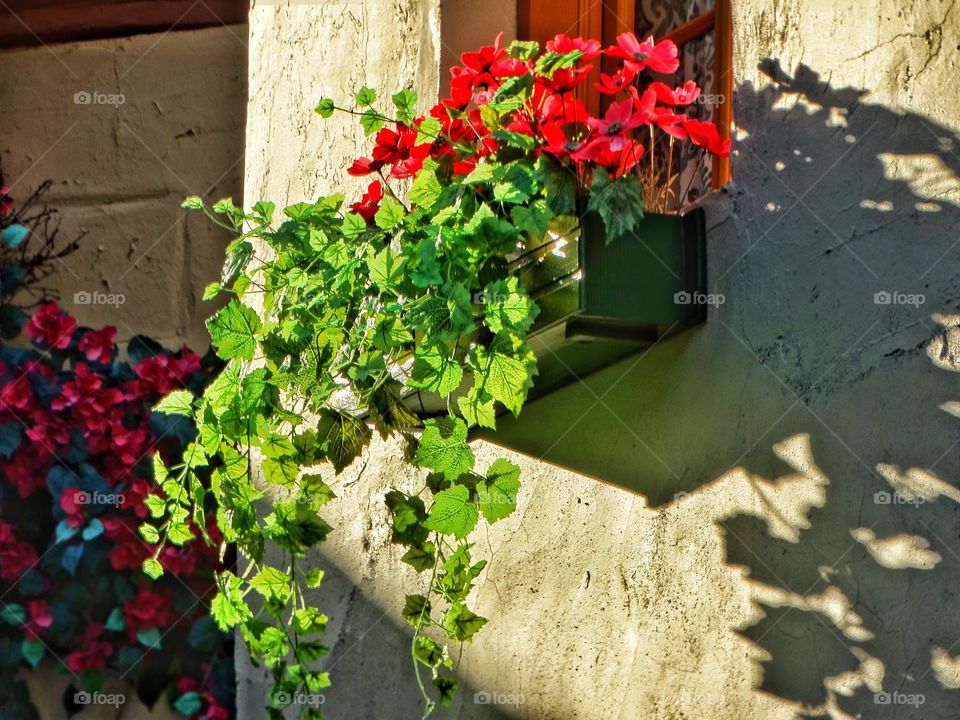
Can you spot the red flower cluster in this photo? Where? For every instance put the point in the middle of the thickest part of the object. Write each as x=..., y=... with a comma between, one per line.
x=75, y=443
x=549, y=113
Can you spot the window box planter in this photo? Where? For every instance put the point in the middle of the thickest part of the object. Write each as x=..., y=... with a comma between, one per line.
x=600, y=302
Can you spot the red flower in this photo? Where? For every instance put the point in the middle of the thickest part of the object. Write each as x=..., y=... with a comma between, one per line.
x=619, y=162
x=150, y=608
x=49, y=327
x=72, y=502
x=683, y=95
x=6, y=202
x=94, y=654
x=18, y=394
x=664, y=118
x=98, y=345
x=564, y=45
x=369, y=202
x=16, y=555
x=612, y=84
x=661, y=58
x=705, y=135
x=569, y=78
x=396, y=148
x=41, y=619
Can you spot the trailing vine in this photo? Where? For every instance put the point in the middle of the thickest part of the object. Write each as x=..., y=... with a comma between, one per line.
x=340, y=314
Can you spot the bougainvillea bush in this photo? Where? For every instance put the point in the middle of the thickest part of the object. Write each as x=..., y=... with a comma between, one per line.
x=342, y=312
x=78, y=441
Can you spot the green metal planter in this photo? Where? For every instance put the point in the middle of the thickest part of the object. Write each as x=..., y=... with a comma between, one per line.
x=600, y=302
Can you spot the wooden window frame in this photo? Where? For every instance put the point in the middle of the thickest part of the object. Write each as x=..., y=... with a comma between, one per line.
x=605, y=19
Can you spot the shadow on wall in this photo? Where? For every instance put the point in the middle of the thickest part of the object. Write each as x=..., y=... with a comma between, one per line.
x=835, y=254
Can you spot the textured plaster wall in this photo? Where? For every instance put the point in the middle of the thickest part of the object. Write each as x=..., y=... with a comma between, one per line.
x=120, y=167
x=760, y=520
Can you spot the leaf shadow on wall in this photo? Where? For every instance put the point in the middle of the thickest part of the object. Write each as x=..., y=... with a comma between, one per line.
x=850, y=560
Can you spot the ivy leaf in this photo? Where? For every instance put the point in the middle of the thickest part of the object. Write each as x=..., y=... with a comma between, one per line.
x=233, y=330
x=462, y=624
x=533, y=219
x=150, y=534
x=446, y=688
x=314, y=578
x=115, y=621
x=228, y=607
x=152, y=568
x=194, y=202
x=505, y=378
x=325, y=107
x=420, y=558
x=498, y=493
x=433, y=370
x=371, y=121
x=425, y=189
x=179, y=402
x=619, y=203
x=342, y=437
x=406, y=103
x=478, y=408
x=507, y=308
x=366, y=96
x=559, y=185
x=386, y=269
x=443, y=447
x=390, y=214
x=272, y=584
x=353, y=226
x=416, y=609
x=452, y=512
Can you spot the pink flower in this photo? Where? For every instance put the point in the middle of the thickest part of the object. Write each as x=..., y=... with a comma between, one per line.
x=49, y=327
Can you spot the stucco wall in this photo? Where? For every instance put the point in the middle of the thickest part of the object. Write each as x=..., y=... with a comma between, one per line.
x=126, y=128
x=717, y=549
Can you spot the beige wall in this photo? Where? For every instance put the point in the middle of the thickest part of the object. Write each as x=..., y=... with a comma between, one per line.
x=121, y=170
x=737, y=563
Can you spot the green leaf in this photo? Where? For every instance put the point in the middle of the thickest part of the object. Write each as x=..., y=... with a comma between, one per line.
x=152, y=568
x=434, y=370
x=425, y=189
x=462, y=624
x=32, y=651
x=309, y=620
x=406, y=103
x=188, y=704
x=452, y=512
x=416, y=609
x=194, y=202
x=179, y=402
x=233, y=330
x=498, y=493
x=353, y=226
x=366, y=96
x=150, y=534
x=550, y=62
x=314, y=578
x=619, y=203
x=325, y=107
x=428, y=131
x=523, y=49
x=390, y=214
x=228, y=608
x=371, y=121
x=515, y=139
x=446, y=688
x=478, y=408
x=115, y=621
x=508, y=308
x=150, y=638
x=342, y=437
x=420, y=558
x=13, y=614
x=504, y=377
x=443, y=447
x=272, y=584
x=386, y=269
x=559, y=185
x=533, y=219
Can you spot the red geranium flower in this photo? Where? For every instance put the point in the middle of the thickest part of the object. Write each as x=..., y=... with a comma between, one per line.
x=49, y=327
x=98, y=345
x=94, y=654
x=400, y=150
x=40, y=618
x=660, y=57
x=16, y=555
x=150, y=608
x=369, y=202
x=72, y=502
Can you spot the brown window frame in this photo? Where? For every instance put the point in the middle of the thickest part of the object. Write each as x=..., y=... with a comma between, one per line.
x=541, y=19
